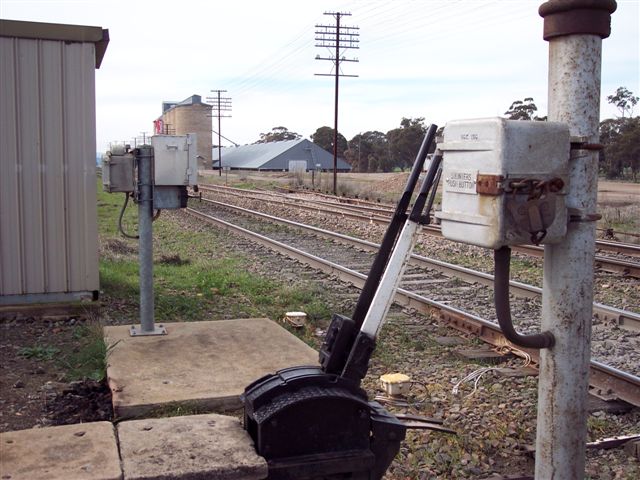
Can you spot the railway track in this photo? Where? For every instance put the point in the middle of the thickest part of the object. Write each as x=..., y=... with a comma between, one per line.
x=605, y=313
x=606, y=380
x=625, y=266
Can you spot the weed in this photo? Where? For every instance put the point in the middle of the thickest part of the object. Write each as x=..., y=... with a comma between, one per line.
x=177, y=409
x=89, y=359
x=621, y=218
x=597, y=427
x=39, y=352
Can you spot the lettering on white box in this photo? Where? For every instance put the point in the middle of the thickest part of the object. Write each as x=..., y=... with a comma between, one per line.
x=461, y=181
x=469, y=136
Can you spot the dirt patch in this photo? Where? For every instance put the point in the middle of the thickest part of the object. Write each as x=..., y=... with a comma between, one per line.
x=173, y=260
x=79, y=402
x=394, y=183
x=119, y=247
x=34, y=364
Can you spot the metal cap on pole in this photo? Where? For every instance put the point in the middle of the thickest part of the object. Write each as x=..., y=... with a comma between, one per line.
x=572, y=17
x=574, y=30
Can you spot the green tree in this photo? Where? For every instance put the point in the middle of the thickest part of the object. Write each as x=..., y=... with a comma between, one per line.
x=367, y=151
x=404, y=143
x=620, y=136
x=323, y=137
x=621, y=155
x=624, y=100
x=278, y=134
x=523, y=110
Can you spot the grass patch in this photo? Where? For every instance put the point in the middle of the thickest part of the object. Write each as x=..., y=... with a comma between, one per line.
x=39, y=352
x=622, y=219
x=109, y=206
x=89, y=358
x=193, y=278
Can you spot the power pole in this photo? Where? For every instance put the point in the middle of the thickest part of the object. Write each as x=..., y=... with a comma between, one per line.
x=334, y=38
x=217, y=110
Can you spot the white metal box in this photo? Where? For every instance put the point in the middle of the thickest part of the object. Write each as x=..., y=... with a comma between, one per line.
x=504, y=181
x=176, y=160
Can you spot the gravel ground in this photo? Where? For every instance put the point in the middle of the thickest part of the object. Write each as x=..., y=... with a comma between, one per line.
x=612, y=345
x=495, y=423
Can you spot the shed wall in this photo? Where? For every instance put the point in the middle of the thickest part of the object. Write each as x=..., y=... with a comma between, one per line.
x=48, y=211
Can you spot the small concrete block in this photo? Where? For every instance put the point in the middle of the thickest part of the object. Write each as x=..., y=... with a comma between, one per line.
x=84, y=451
x=212, y=447
x=203, y=365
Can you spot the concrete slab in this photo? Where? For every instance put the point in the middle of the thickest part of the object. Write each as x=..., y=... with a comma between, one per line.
x=205, y=365
x=209, y=446
x=85, y=451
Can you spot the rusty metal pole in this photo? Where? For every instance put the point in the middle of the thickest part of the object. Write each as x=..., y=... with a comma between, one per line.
x=574, y=30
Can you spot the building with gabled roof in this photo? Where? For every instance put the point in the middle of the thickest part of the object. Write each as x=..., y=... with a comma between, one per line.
x=279, y=156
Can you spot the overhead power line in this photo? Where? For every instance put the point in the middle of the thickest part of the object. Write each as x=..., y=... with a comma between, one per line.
x=335, y=38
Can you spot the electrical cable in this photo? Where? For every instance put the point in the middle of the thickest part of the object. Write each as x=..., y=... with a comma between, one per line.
x=502, y=261
x=124, y=206
x=503, y=347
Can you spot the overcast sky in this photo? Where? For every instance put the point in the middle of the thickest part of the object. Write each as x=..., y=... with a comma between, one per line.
x=441, y=60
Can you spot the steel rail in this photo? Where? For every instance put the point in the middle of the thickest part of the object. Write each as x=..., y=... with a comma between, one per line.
x=607, y=264
x=603, y=378
x=318, y=209
x=623, y=318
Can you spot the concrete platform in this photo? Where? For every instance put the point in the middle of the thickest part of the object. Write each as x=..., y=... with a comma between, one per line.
x=210, y=446
x=85, y=451
x=201, y=364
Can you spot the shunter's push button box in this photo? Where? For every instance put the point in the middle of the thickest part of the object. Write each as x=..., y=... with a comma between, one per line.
x=504, y=181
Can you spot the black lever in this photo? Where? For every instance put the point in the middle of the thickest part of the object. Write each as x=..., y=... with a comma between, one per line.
x=342, y=334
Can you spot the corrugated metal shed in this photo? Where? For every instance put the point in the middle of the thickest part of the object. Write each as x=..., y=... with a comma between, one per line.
x=277, y=155
x=48, y=212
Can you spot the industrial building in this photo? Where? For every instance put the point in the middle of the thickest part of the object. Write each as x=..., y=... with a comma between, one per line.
x=280, y=156
x=48, y=213
x=191, y=115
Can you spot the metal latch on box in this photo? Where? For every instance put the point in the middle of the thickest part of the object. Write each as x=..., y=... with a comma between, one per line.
x=533, y=214
x=489, y=184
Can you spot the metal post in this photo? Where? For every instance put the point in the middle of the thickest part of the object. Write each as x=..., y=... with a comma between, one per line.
x=335, y=109
x=219, y=141
x=145, y=160
x=574, y=29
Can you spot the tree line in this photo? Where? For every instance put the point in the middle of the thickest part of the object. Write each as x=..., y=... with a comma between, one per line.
x=620, y=136
x=370, y=151
x=375, y=151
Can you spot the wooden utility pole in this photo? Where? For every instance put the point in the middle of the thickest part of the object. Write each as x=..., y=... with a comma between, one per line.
x=223, y=104
x=334, y=38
